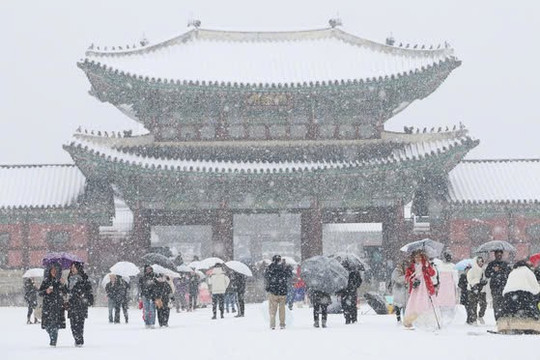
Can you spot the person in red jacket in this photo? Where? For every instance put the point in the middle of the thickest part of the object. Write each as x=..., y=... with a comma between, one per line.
x=420, y=308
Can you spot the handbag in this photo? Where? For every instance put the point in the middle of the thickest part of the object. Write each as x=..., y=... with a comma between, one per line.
x=159, y=303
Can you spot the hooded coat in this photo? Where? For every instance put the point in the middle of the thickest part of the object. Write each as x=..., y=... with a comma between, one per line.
x=476, y=278
x=79, y=293
x=218, y=281
x=53, y=315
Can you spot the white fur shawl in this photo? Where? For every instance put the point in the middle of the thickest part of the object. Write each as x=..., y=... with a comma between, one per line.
x=522, y=278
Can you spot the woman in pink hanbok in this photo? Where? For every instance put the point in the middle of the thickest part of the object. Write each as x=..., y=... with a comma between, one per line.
x=420, y=309
x=446, y=298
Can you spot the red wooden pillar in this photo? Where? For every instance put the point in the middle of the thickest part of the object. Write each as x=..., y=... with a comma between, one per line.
x=394, y=236
x=311, y=231
x=141, y=236
x=222, y=234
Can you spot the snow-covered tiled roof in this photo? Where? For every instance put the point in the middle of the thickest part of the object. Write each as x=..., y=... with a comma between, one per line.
x=409, y=152
x=268, y=57
x=40, y=186
x=495, y=181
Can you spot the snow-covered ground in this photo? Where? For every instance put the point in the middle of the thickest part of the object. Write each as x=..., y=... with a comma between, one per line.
x=194, y=336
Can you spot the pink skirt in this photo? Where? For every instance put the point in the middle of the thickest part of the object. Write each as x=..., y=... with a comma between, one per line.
x=420, y=311
x=446, y=296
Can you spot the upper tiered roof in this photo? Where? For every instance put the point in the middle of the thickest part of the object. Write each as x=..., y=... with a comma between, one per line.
x=288, y=57
x=495, y=181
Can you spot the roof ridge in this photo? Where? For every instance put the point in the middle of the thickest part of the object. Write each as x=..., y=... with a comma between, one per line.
x=500, y=160
x=269, y=36
x=4, y=166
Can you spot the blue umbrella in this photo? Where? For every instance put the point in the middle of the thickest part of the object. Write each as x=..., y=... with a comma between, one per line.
x=461, y=265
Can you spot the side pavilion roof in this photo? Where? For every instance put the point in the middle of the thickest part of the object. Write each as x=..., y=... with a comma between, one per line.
x=288, y=57
x=40, y=186
x=495, y=181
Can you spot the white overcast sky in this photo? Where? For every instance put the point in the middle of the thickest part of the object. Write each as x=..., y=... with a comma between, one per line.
x=495, y=93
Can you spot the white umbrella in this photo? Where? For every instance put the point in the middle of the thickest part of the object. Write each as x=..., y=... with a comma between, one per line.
x=107, y=279
x=289, y=260
x=239, y=267
x=209, y=263
x=158, y=269
x=34, y=272
x=184, y=268
x=125, y=268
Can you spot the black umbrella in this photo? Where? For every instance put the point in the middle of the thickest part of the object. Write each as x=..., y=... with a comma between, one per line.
x=154, y=258
x=496, y=245
x=350, y=261
x=324, y=274
x=377, y=302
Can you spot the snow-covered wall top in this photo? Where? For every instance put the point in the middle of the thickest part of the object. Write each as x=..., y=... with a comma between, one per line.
x=268, y=57
x=40, y=186
x=484, y=181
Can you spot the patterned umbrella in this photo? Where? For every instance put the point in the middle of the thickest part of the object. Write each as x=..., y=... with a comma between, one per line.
x=155, y=258
x=63, y=258
x=350, y=260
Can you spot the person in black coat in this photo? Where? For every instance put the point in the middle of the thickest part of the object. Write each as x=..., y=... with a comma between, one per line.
x=320, y=301
x=30, y=296
x=349, y=295
x=80, y=297
x=193, y=291
x=163, y=297
x=462, y=285
x=148, y=295
x=497, y=271
x=277, y=277
x=53, y=290
x=240, y=285
x=113, y=290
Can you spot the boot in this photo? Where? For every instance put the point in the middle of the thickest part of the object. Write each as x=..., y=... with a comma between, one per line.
x=214, y=317
x=316, y=323
x=28, y=321
x=324, y=323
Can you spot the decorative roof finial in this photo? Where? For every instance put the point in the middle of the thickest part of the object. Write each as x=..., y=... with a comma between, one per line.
x=390, y=41
x=144, y=41
x=195, y=23
x=335, y=22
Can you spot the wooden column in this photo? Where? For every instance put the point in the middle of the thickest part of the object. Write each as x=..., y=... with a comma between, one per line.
x=393, y=233
x=94, y=258
x=222, y=234
x=141, y=236
x=311, y=231
x=25, y=242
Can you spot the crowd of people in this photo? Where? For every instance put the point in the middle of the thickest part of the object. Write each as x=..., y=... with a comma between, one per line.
x=425, y=292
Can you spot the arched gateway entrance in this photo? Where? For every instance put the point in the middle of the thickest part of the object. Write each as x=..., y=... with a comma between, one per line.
x=245, y=132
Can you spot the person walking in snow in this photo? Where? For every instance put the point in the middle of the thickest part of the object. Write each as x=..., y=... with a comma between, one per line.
x=399, y=288
x=114, y=298
x=240, y=285
x=320, y=301
x=476, y=292
x=230, y=293
x=80, y=297
x=446, y=298
x=148, y=295
x=30, y=296
x=193, y=291
x=349, y=295
x=420, y=308
x=53, y=290
x=218, y=283
x=276, y=277
x=164, y=293
x=497, y=272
